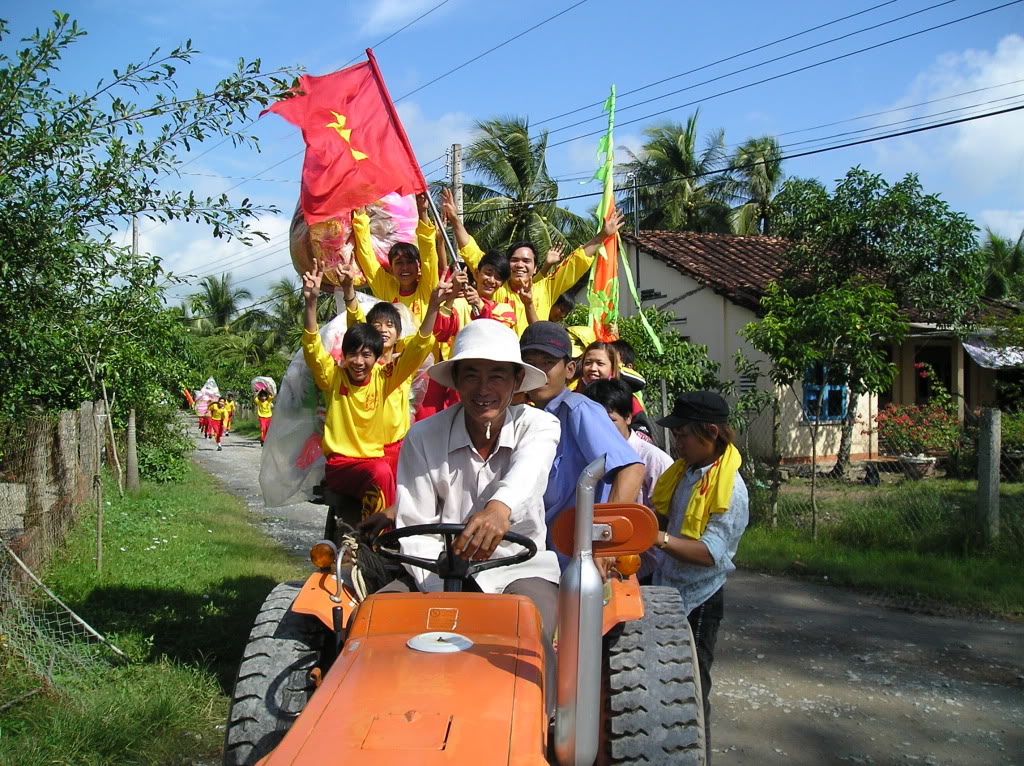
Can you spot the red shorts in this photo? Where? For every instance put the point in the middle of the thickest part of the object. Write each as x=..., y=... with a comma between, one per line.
x=202, y=424
x=264, y=425
x=391, y=454
x=368, y=479
x=217, y=429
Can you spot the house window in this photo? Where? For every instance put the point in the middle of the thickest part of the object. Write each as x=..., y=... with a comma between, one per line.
x=833, y=407
x=748, y=383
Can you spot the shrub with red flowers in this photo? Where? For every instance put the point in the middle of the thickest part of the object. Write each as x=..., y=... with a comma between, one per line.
x=913, y=429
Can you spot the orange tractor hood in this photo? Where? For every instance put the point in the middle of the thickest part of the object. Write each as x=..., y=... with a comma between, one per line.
x=483, y=705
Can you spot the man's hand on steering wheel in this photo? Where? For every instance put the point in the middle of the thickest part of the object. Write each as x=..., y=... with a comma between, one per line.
x=484, y=530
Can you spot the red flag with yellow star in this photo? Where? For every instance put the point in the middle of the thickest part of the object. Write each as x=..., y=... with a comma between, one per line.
x=356, y=147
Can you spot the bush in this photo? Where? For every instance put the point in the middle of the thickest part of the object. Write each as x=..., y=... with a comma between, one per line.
x=163, y=445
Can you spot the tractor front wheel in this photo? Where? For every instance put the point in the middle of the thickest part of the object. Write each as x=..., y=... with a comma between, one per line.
x=653, y=707
x=273, y=683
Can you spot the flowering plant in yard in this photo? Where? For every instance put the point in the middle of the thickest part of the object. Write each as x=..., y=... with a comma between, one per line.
x=913, y=429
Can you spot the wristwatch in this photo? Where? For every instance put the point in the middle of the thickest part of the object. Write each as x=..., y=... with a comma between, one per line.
x=663, y=540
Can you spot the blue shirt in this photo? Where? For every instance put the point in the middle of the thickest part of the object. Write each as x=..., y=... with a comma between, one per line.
x=587, y=433
x=696, y=584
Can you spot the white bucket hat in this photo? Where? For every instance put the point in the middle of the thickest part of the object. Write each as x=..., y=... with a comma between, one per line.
x=492, y=341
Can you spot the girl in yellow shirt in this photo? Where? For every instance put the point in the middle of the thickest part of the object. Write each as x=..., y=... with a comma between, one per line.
x=264, y=402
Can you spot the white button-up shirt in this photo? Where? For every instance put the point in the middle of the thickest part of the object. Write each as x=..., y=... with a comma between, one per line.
x=442, y=479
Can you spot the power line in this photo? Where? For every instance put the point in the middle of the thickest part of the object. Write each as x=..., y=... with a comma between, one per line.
x=491, y=50
x=785, y=157
x=397, y=31
x=785, y=74
x=722, y=60
x=890, y=111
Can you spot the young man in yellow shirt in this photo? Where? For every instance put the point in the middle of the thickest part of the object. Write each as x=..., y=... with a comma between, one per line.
x=264, y=402
x=413, y=274
x=356, y=391
x=386, y=319
x=229, y=413
x=217, y=413
x=522, y=257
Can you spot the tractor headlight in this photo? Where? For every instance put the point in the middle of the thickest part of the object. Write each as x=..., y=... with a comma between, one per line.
x=323, y=554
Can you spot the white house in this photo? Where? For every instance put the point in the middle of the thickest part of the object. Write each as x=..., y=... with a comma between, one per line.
x=713, y=284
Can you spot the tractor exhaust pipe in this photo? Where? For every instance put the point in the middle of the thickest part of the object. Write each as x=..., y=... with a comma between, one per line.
x=580, y=603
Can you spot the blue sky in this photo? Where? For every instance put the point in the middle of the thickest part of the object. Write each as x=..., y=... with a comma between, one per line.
x=569, y=62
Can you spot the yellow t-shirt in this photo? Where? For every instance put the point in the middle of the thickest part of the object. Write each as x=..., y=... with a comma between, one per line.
x=354, y=425
x=382, y=283
x=396, y=407
x=265, y=407
x=216, y=412
x=545, y=290
x=229, y=407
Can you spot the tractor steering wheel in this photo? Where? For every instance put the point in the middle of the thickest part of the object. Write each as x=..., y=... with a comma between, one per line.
x=452, y=569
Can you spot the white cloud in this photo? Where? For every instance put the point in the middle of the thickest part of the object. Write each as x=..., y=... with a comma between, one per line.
x=986, y=156
x=430, y=138
x=1006, y=223
x=388, y=15
x=190, y=249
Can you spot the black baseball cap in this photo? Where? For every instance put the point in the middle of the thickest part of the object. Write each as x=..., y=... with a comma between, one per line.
x=549, y=337
x=697, y=407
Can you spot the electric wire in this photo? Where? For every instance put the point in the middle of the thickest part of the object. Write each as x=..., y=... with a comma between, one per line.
x=731, y=168
x=771, y=78
x=721, y=61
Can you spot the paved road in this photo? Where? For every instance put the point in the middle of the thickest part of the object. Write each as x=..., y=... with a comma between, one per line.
x=807, y=674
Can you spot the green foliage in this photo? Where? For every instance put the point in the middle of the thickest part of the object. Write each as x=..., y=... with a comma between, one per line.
x=912, y=243
x=678, y=186
x=1004, y=266
x=759, y=176
x=79, y=309
x=845, y=328
x=1012, y=431
x=911, y=429
x=512, y=201
x=163, y=445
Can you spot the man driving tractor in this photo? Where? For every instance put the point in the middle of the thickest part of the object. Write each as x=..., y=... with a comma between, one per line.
x=484, y=463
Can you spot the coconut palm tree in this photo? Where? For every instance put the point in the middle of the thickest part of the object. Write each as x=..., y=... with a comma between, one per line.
x=758, y=177
x=679, y=186
x=511, y=202
x=218, y=301
x=1004, y=259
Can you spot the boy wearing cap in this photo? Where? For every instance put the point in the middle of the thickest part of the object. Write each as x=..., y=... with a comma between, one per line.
x=586, y=431
x=703, y=502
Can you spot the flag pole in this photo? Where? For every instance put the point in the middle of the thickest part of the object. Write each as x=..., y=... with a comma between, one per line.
x=408, y=147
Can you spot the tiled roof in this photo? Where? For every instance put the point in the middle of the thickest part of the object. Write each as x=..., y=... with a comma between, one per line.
x=738, y=268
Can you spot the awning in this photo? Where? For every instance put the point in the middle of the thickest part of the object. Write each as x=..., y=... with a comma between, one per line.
x=993, y=358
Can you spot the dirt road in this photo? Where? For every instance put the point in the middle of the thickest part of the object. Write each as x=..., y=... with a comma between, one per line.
x=806, y=674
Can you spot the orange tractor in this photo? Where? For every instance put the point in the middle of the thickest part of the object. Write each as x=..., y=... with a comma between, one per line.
x=459, y=677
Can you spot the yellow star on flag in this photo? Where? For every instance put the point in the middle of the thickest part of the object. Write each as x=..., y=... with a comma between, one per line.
x=345, y=133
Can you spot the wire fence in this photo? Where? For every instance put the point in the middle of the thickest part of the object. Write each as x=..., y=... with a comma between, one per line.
x=963, y=499
x=49, y=469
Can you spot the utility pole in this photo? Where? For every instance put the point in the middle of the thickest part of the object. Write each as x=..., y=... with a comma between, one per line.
x=457, y=176
x=135, y=234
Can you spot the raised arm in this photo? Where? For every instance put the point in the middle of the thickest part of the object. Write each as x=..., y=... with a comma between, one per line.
x=426, y=240
x=572, y=268
x=320, y=363
x=451, y=214
x=420, y=345
x=382, y=284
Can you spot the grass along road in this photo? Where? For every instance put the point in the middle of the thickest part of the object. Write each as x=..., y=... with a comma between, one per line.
x=185, y=572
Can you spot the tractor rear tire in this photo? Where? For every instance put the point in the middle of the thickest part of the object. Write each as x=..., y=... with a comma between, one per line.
x=654, y=711
x=273, y=683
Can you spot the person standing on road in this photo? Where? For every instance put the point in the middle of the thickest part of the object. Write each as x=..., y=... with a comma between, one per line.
x=264, y=402
x=229, y=413
x=217, y=413
x=702, y=501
